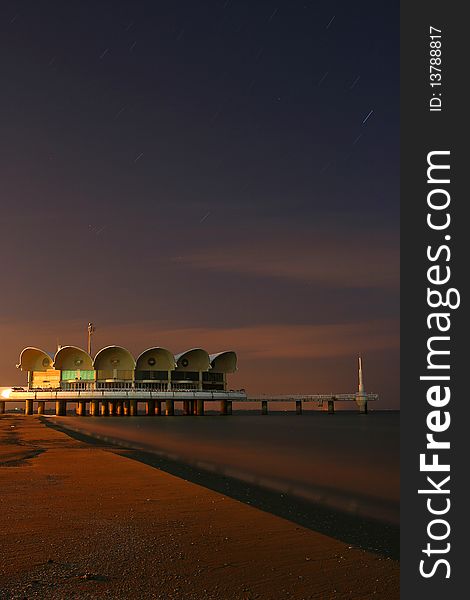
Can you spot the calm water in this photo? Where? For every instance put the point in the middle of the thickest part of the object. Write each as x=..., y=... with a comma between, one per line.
x=345, y=461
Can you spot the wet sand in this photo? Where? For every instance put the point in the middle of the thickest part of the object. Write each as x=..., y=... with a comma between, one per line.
x=84, y=520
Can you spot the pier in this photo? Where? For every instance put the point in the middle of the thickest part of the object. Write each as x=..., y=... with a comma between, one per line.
x=115, y=384
x=130, y=403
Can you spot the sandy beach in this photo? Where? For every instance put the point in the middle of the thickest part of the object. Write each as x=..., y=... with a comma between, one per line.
x=88, y=520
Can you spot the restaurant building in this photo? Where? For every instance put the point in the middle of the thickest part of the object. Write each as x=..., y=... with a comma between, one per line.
x=114, y=367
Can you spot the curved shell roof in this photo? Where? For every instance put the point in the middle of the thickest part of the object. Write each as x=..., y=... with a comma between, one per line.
x=195, y=359
x=117, y=357
x=71, y=358
x=224, y=362
x=114, y=357
x=34, y=359
x=156, y=359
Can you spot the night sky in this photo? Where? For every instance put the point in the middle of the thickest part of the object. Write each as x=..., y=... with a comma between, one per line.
x=222, y=174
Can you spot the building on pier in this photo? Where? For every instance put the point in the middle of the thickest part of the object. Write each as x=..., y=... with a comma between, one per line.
x=75, y=367
x=153, y=370
x=114, y=367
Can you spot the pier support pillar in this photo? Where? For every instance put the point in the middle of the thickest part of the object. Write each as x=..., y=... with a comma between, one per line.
x=200, y=408
x=229, y=407
x=150, y=408
x=2, y=407
x=41, y=407
x=133, y=407
x=112, y=408
x=104, y=409
x=127, y=408
x=28, y=407
x=119, y=408
x=264, y=407
x=95, y=408
x=361, y=401
x=81, y=408
x=158, y=407
x=223, y=407
x=331, y=407
x=186, y=407
x=60, y=408
x=194, y=407
x=169, y=408
x=298, y=407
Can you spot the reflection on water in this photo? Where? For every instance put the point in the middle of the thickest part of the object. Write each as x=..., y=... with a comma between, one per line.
x=346, y=460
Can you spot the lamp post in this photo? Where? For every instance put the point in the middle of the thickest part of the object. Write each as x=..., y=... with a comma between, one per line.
x=91, y=331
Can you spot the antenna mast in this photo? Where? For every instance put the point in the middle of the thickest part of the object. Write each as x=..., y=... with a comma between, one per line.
x=91, y=331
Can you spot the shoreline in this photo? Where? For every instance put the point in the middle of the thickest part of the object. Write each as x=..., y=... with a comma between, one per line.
x=361, y=530
x=71, y=528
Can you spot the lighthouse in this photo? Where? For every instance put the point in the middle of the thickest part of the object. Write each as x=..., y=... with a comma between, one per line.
x=361, y=396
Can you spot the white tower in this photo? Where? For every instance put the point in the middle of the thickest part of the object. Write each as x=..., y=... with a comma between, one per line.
x=361, y=382
x=361, y=396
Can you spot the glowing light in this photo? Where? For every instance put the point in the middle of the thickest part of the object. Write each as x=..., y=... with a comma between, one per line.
x=6, y=393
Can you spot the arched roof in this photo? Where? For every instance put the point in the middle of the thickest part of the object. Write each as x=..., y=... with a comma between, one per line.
x=71, y=358
x=156, y=359
x=195, y=359
x=224, y=362
x=114, y=357
x=34, y=359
